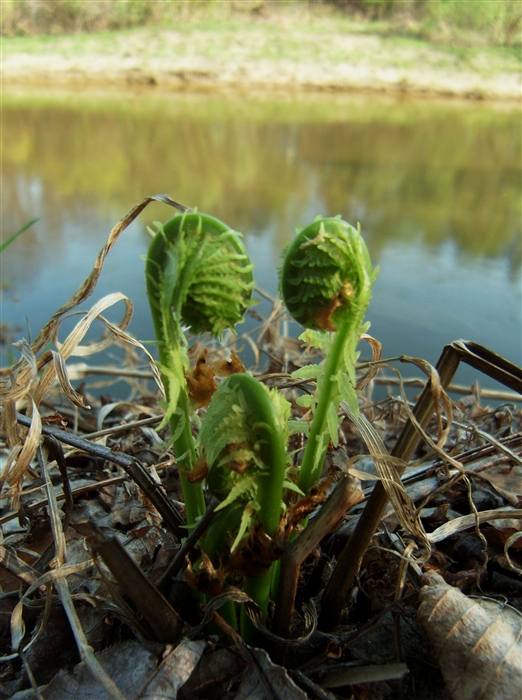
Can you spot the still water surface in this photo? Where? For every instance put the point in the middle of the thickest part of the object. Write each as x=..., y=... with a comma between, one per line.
x=435, y=186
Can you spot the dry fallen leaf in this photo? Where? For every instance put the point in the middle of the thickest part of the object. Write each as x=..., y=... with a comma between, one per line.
x=506, y=481
x=266, y=681
x=478, y=642
x=129, y=665
x=174, y=671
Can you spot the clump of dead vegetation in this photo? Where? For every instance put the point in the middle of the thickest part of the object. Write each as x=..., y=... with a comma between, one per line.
x=398, y=569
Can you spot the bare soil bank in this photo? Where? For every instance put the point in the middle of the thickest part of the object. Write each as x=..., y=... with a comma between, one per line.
x=262, y=58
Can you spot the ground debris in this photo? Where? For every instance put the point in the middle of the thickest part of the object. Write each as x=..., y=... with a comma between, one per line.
x=464, y=496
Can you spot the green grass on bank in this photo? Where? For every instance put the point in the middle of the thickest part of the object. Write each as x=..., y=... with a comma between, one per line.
x=456, y=22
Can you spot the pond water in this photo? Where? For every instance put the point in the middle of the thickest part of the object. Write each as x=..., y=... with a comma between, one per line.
x=435, y=186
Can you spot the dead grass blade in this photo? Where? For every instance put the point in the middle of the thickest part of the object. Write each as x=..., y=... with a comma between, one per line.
x=509, y=542
x=86, y=651
x=390, y=469
x=29, y=447
x=376, y=348
x=456, y=525
x=87, y=287
x=21, y=375
x=22, y=383
x=71, y=345
x=60, y=370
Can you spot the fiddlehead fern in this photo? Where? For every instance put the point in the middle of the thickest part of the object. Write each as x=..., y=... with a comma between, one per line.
x=244, y=440
x=325, y=281
x=198, y=275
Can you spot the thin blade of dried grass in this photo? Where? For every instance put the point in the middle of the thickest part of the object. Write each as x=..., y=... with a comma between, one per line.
x=17, y=623
x=509, y=542
x=86, y=651
x=84, y=291
x=107, y=409
x=390, y=477
x=30, y=444
x=71, y=345
x=87, y=287
x=10, y=562
x=9, y=425
x=119, y=333
x=444, y=415
x=57, y=369
x=466, y=521
x=442, y=404
x=376, y=348
x=63, y=378
x=21, y=375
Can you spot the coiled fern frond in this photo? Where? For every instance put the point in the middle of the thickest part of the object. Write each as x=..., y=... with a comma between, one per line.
x=199, y=276
x=326, y=281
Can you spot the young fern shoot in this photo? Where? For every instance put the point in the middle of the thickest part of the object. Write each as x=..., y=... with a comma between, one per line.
x=244, y=437
x=326, y=281
x=198, y=276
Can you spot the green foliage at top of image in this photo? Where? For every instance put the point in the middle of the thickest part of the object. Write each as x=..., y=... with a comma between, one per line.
x=488, y=21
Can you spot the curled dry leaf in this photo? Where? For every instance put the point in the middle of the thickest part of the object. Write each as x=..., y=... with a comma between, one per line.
x=376, y=348
x=478, y=642
x=174, y=671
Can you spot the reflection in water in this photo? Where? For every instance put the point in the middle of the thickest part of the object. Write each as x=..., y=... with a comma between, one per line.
x=436, y=188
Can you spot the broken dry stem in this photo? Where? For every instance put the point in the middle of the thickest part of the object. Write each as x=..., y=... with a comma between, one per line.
x=155, y=609
x=346, y=494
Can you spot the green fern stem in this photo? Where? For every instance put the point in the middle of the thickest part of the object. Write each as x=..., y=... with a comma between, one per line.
x=268, y=438
x=244, y=439
x=198, y=275
x=327, y=389
x=171, y=353
x=268, y=435
x=325, y=281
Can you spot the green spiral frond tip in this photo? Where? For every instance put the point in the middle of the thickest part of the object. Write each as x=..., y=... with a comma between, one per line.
x=198, y=269
x=326, y=276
